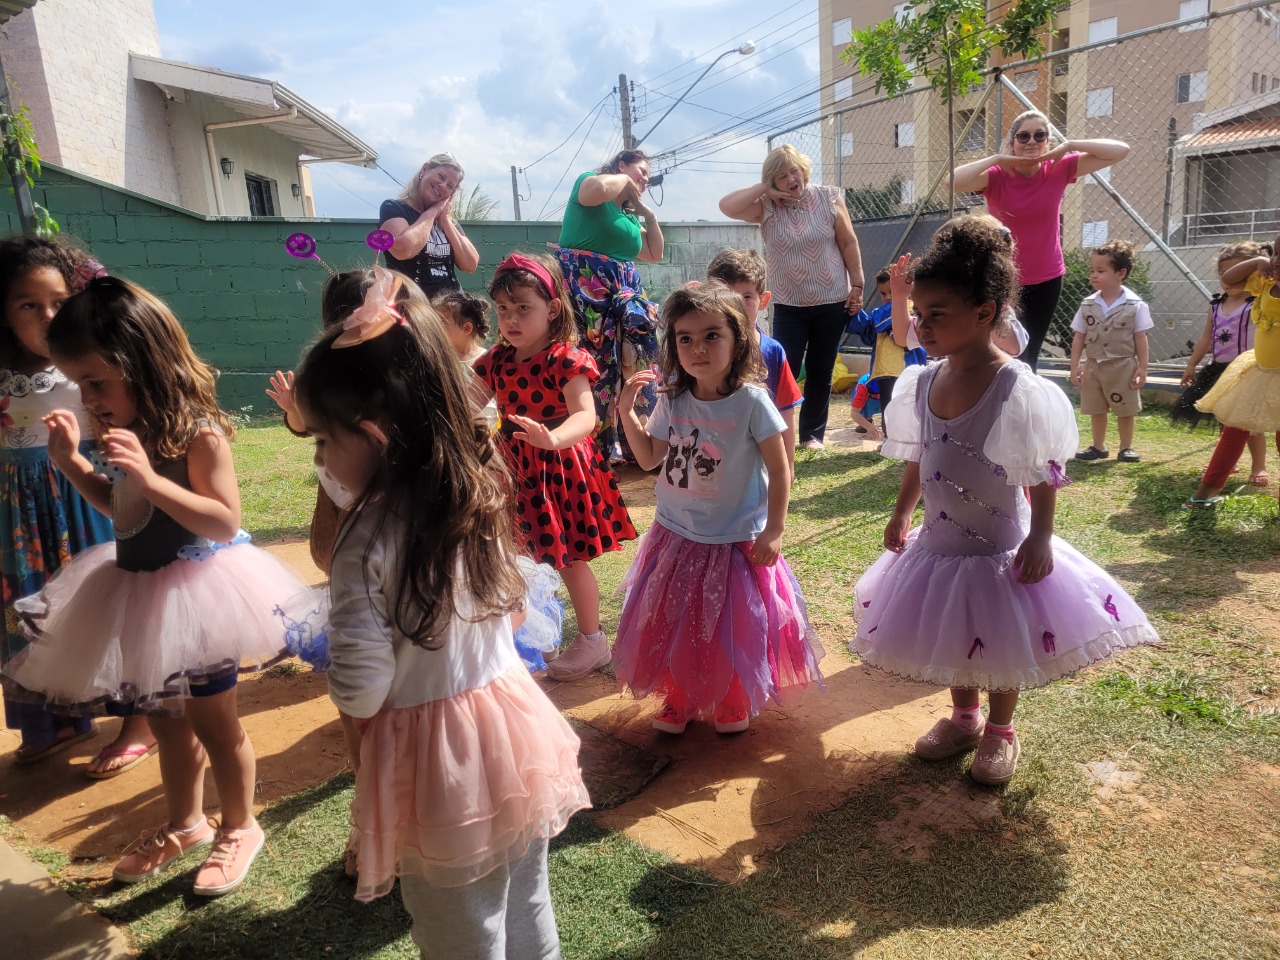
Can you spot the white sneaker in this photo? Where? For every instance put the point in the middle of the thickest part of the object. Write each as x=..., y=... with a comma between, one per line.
x=587, y=652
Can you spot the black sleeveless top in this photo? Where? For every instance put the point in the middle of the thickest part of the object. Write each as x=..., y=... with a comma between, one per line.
x=147, y=538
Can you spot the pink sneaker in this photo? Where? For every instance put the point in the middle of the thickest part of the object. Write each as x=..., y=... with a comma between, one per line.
x=670, y=719
x=731, y=718
x=158, y=849
x=229, y=861
x=587, y=652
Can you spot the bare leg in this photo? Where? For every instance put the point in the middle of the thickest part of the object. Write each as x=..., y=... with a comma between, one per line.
x=217, y=725
x=1000, y=707
x=1098, y=427
x=1125, y=427
x=964, y=697
x=351, y=739
x=181, y=770
x=584, y=594
x=1257, y=453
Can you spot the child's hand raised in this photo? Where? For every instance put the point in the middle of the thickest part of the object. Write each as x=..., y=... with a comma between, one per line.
x=1034, y=559
x=902, y=277
x=124, y=450
x=281, y=391
x=64, y=436
x=534, y=433
x=635, y=383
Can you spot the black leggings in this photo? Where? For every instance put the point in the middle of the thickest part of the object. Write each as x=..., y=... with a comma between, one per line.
x=811, y=337
x=1038, y=302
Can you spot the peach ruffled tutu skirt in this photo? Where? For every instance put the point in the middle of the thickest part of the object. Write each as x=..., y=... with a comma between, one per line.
x=451, y=789
x=101, y=636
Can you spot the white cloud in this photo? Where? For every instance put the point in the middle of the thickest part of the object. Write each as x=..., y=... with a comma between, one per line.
x=497, y=88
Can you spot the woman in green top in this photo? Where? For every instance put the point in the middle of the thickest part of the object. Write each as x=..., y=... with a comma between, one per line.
x=606, y=228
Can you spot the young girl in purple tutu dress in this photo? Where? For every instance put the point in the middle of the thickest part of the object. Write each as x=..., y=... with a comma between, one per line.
x=160, y=621
x=982, y=595
x=467, y=769
x=713, y=618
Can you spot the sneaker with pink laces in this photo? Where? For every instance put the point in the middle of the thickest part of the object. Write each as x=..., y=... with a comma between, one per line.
x=587, y=652
x=160, y=848
x=229, y=860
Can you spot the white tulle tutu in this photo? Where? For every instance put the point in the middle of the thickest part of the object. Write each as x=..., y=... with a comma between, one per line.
x=100, y=635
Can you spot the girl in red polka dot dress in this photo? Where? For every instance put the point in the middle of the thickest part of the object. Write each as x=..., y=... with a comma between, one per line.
x=568, y=508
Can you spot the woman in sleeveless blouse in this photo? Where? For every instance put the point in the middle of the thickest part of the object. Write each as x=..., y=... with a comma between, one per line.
x=815, y=272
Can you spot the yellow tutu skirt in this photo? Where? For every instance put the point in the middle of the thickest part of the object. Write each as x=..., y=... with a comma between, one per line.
x=1246, y=396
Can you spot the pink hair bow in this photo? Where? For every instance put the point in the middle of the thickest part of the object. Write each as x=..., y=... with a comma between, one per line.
x=377, y=314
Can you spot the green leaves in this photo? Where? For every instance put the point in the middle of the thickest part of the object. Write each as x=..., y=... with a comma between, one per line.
x=920, y=39
x=22, y=161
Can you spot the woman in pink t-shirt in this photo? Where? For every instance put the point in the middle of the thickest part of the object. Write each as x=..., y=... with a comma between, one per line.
x=1024, y=189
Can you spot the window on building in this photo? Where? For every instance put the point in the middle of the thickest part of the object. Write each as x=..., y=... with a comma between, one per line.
x=1193, y=8
x=1253, y=84
x=843, y=89
x=901, y=12
x=1097, y=103
x=1027, y=80
x=1099, y=176
x=1100, y=30
x=1193, y=87
x=904, y=134
x=261, y=195
x=1094, y=233
x=841, y=32
x=846, y=144
x=1275, y=82
x=907, y=193
x=976, y=138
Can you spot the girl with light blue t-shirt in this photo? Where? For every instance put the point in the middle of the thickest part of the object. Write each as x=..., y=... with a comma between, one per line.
x=713, y=618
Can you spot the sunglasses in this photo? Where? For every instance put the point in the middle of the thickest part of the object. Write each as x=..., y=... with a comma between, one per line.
x=1026, y=136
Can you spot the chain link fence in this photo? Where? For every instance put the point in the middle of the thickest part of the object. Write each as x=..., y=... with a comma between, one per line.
x=1198, y=100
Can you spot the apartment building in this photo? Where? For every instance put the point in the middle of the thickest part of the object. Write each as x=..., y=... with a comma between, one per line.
x=1199, y=103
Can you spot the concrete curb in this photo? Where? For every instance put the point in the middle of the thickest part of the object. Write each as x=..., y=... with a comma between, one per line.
x=41, y=922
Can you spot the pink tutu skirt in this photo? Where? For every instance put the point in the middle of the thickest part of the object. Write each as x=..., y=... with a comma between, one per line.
x=697, y=614
x=101, y=635
x=451, y=789
x=965, y=621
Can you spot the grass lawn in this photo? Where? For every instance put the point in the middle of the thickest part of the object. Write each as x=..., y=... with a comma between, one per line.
x=1142, y=822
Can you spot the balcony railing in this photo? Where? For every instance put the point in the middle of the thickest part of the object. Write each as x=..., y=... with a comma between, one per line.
x=1205, y=227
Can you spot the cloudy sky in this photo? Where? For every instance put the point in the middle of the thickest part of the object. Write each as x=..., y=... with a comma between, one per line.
x=533, y=88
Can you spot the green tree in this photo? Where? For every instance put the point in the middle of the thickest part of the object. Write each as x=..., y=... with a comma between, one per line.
x=947, y=42
x=22, y=162
x=868, y=203
x=478, y=206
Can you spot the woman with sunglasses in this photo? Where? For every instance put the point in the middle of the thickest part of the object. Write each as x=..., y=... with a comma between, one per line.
x=1023, y=189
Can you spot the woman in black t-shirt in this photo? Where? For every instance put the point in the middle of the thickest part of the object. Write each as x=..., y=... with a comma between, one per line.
x=429, y=243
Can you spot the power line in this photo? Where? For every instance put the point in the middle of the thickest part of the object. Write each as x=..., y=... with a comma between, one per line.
x=569, y=166
x=594, y=107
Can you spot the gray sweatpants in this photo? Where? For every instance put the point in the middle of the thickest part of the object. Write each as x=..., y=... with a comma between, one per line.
x=505, y=915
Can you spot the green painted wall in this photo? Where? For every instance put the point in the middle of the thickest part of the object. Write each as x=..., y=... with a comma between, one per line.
x=248, y=306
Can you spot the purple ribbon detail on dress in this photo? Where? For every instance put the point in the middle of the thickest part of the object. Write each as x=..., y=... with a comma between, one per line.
x=976, y=647
x=1057, y=476
x=1110, y=607
x=1048, y=641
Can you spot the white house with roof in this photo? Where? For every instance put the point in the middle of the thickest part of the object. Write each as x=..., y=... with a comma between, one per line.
x=104, y=104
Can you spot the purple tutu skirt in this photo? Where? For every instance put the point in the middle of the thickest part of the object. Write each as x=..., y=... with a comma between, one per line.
x=965, y=621
x=698, y=614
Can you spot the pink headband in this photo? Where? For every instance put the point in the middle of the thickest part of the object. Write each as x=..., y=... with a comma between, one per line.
x=518, y=261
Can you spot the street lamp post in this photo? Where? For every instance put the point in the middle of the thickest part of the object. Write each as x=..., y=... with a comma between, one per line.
x=745, y=50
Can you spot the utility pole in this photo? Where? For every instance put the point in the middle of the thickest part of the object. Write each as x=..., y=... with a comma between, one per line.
x=624, y=100
x=515, y=193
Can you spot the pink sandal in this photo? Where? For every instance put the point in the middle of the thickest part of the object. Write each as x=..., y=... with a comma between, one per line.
x=1260, y=478
x=136, y=754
